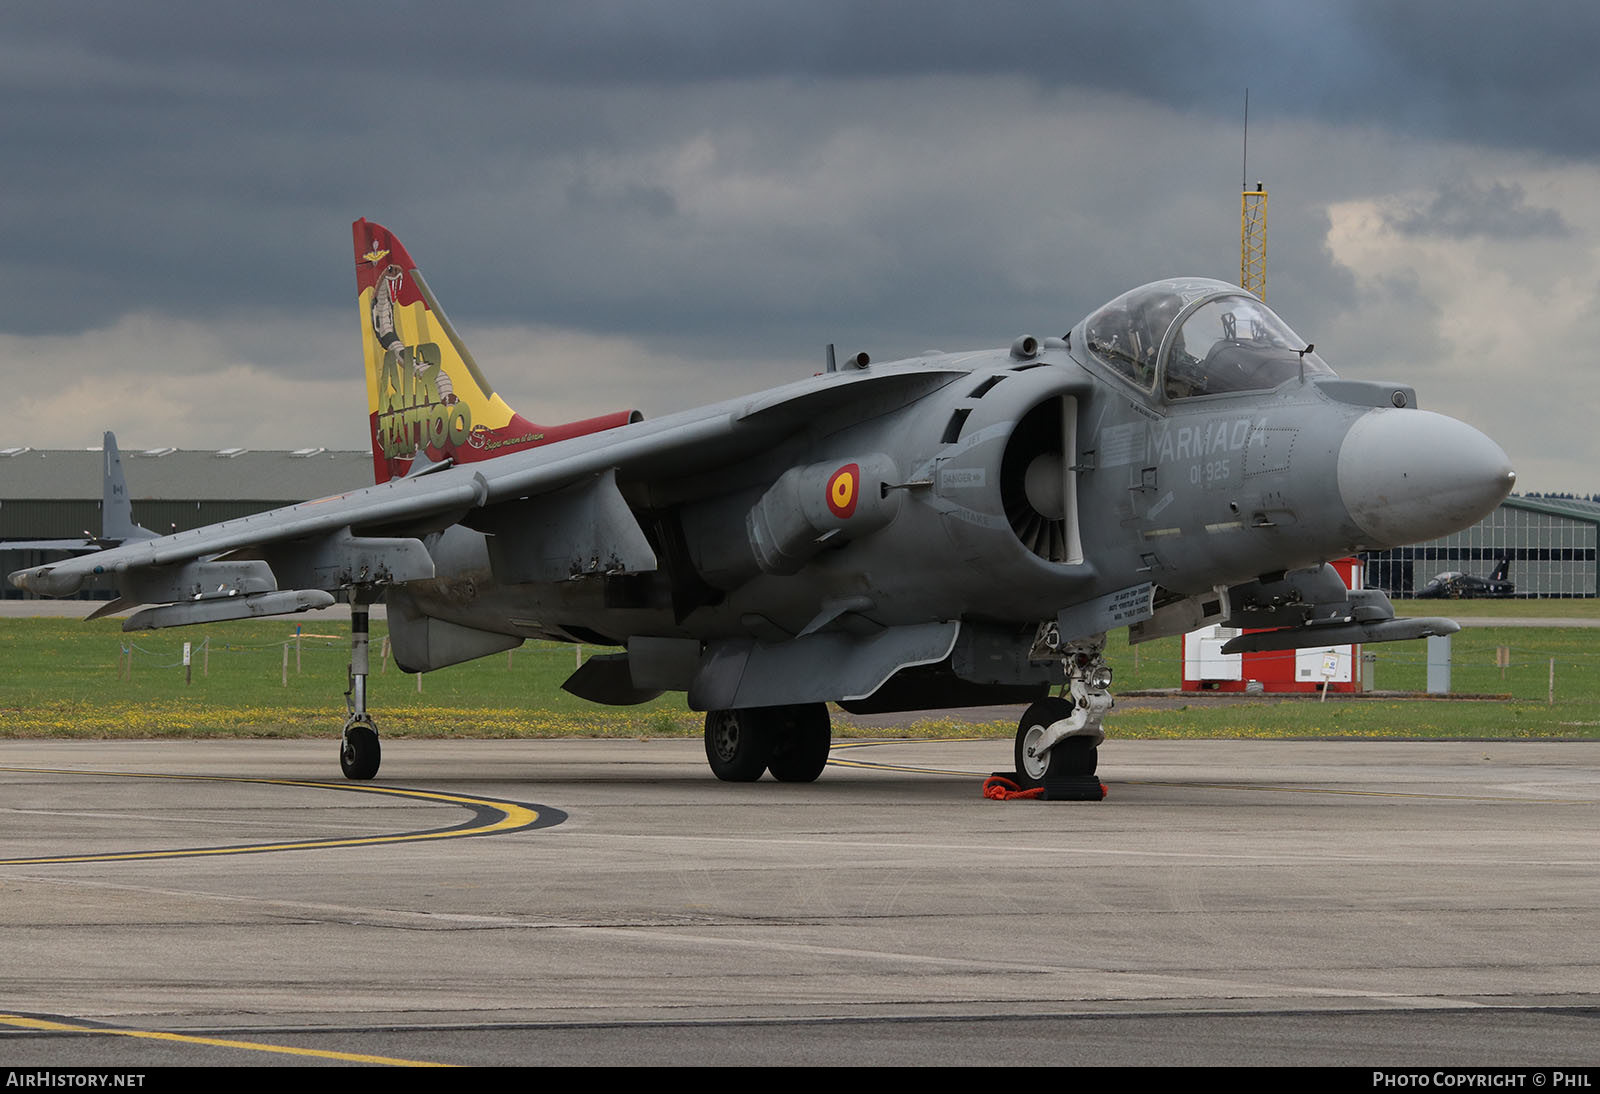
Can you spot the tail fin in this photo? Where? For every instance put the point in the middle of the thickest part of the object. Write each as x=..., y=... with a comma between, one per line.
x=116, y=507
x=1502, y=571
x=428, y=401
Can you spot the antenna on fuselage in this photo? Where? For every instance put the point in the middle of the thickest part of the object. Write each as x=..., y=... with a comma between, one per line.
x=1311, y=347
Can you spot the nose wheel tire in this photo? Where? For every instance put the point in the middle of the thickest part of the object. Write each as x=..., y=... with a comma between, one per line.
x=359, y=752
x=1072, y=756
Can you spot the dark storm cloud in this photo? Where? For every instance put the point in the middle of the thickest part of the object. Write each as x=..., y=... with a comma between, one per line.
x=1462, y=209
x=202, y=159
x=1513, y=74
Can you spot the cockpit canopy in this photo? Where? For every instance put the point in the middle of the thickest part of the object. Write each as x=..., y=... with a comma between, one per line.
x=1193, y=336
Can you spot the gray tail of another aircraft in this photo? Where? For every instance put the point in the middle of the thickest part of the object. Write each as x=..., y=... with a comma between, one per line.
x=116, y=507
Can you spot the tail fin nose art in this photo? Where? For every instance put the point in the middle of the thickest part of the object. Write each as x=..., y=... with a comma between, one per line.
x=427, y=399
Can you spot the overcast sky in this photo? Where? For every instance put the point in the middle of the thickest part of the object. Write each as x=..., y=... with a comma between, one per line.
x=657, y=205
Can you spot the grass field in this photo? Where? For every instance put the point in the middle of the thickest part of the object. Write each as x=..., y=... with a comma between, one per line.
x=68, y=678
x=1502, y=609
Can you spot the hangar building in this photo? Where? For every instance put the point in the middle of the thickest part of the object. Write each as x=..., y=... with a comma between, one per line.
x=1551, y=543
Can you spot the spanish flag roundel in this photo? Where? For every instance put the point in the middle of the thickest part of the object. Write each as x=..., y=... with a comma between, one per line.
x=844, y=488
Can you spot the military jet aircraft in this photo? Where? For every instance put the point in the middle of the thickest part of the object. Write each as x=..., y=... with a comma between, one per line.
x=116, y=513
x=1455, y=585
x=944, y=530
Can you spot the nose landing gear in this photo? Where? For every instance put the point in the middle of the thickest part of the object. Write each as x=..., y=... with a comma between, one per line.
x=1058, y=738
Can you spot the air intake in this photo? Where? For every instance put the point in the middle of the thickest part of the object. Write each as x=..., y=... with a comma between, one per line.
x=1035, y=486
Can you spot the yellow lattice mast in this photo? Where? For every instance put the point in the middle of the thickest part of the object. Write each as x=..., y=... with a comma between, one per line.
x=1252, y=220
x=1253, y=240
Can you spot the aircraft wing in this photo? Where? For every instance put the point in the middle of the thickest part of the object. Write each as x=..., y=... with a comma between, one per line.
x=50, y=545
x=372, y=535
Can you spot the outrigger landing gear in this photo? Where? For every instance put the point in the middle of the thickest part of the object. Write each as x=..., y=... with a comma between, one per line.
x=790, y=741
x=1058, y=739
x=359, y=753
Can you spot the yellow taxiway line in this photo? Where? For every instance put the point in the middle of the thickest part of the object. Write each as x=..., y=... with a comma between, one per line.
x=494, y=816
x=20, y=1022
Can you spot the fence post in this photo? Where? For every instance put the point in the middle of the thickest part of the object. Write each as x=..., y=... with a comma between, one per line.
x=1439, y=664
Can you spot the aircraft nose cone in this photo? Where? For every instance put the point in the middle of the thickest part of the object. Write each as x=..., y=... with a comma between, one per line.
x=1411, y=475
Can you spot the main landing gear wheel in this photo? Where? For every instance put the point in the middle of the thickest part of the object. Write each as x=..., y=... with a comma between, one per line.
x=1075, y=756
x=738, y=744
x=802, y=736
x=359, y=753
